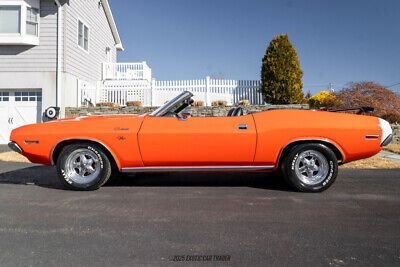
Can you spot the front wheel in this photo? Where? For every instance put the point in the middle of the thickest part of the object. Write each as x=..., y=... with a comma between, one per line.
x=310, y=167
x=83, y=166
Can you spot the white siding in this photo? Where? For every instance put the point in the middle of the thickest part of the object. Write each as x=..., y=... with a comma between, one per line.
x=87, y=65
x=41, y=58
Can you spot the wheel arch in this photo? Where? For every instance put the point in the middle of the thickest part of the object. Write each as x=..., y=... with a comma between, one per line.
x=288, y=147
x=55, y=152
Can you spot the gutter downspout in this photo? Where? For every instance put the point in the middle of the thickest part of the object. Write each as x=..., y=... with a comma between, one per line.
x=58, y=71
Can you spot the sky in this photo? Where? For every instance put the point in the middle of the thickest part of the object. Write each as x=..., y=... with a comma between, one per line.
x=337, y=41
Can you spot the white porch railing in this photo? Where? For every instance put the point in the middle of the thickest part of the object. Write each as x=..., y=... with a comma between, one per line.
x=88, y=93
x=126, y=71
x=156, y=93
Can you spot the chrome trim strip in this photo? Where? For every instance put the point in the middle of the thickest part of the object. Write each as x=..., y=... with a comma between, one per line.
x=194, y=169
x=300, y=140
x=15, y=147
x=371, y=137
x=79, y=139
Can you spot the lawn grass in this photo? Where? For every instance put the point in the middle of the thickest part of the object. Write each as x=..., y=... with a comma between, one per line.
x=372, y=163
x=394, y=148
x=12, y=156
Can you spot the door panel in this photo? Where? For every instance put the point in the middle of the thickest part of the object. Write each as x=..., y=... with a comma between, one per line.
x=197, y=141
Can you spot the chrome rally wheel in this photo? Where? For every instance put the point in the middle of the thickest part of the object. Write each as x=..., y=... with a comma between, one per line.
x=83, y=166
x=310, y=167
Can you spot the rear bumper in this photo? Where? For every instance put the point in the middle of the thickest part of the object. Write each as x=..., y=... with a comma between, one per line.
x=387, y=140
x=15, y=147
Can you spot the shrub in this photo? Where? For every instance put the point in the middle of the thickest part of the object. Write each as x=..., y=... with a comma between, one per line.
x=244, y=102
x=219, y=103
x=324, y=100
x=107, y=104
x=385, y=102
x=133, y=103
x=392, y=116
x=198, y=103
x=281, y=73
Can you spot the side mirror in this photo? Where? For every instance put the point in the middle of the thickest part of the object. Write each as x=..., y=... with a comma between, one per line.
x=185, y=114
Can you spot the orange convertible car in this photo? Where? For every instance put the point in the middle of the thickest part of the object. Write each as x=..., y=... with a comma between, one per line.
x=305, y=145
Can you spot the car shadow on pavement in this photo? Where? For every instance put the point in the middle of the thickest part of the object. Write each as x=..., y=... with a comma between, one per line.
x=45, y=176
x=271, y=181
x=42, y=176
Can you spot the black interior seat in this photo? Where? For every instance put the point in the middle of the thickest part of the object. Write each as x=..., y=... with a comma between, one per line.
x=237, y=112
x=230, y=112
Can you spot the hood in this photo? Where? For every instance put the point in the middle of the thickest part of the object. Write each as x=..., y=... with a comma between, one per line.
x=98, y=117
x=75, y=125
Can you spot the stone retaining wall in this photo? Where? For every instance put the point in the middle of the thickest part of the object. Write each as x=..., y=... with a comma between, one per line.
x=195, y=111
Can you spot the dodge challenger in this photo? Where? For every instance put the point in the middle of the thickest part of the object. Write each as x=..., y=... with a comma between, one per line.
x=305, y=146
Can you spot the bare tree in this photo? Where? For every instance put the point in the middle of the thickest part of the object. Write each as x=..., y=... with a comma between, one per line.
x=385, y=102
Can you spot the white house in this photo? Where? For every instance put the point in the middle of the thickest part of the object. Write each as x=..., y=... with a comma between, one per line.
x=62, y=53
x=46, y=48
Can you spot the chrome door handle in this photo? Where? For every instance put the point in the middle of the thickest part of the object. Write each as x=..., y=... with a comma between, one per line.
x=242, y=126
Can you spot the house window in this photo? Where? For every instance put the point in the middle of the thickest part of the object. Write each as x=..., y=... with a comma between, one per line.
x=28, y=96
x=10, y=19
x=4, y=96
x=108, y=55
x=83, y=35
x=19, y=22
x=32, y=15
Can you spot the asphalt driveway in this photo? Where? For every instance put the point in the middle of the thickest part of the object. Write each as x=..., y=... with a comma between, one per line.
x=247, y=219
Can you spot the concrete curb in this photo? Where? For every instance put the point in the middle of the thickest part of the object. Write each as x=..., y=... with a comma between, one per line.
x=389, y=155
x=4, y=148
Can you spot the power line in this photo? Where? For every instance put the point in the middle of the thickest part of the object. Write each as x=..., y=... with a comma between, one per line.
x=392, y=85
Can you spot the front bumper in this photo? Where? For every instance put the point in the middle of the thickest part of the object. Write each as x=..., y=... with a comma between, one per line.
x=15, y=147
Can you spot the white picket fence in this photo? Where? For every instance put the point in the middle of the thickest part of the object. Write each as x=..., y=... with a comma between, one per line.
x=156, y=93
x=122, y=91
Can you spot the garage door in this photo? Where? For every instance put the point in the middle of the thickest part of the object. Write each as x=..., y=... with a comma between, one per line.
x=18, y=108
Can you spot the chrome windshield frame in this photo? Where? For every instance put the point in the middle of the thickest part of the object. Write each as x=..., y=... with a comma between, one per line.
x=168, y=106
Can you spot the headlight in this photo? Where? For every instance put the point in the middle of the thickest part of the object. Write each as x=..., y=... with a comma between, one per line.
x=386, y=132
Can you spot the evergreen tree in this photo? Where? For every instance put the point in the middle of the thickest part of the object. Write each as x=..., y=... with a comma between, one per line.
x=281, y=73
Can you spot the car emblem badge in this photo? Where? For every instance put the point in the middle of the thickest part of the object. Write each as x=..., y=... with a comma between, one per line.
x=121, y=138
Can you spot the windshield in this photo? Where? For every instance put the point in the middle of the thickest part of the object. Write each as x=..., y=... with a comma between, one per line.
x=172, y=105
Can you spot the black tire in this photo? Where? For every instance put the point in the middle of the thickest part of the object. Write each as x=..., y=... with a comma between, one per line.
x=102, y=167
x=327, y=175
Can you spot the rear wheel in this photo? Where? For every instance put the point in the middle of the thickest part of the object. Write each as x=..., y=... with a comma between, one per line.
x=83, y=166
x=310, y=167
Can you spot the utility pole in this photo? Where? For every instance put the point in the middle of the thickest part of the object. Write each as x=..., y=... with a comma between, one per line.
x=331, y=88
